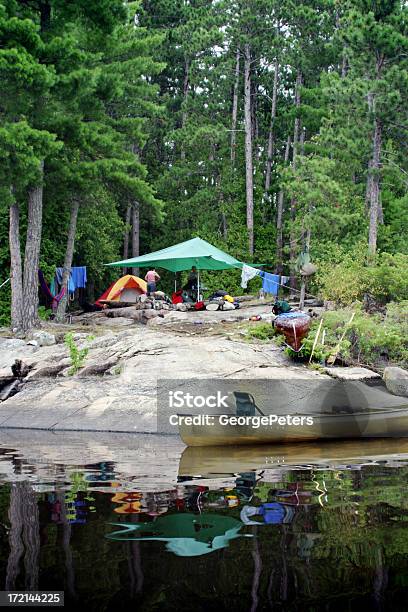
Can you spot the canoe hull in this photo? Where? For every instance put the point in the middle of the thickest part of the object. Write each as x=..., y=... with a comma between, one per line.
x=379, y=424
x=294, y=326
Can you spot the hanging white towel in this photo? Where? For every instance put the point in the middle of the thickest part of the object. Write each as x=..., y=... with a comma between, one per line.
x=247, y=273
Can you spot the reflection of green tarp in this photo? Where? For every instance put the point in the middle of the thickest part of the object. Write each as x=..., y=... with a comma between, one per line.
x=183, y=256
x=187, y=535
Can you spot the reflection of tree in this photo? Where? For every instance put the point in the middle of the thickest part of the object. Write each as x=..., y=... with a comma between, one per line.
x=257, y=571
x=135, y=565
x=66, y=545
x=135, y=569
x=24, y=536
x=380, y=580
x=284, y=579
x=15, y=541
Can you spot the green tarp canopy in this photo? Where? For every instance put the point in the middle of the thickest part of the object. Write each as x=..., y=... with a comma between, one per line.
x=195, y=252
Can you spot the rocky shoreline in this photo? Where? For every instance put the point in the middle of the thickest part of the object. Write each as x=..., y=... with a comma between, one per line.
x=115, y=388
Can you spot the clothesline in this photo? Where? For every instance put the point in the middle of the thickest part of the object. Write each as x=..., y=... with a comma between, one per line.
x=298, y=291
x=5, y=282
x=270, y=282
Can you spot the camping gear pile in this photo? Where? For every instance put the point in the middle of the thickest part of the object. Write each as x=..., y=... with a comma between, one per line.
x=220, y=300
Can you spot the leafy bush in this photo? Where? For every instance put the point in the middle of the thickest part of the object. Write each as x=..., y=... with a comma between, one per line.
x=388, y=280
x=347, y=281
x=261, y=331
x=44, y=313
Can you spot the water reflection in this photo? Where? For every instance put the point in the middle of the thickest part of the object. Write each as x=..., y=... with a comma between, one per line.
x=185, y=535
x=295, y=527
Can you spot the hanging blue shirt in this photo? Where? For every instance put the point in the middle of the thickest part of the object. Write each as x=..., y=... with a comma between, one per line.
x=270, y=283
x=77, y=277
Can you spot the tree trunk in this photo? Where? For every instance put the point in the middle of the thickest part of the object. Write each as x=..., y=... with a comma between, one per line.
x=16, y=271
x=185, y=95
x=254, y=115
x=45, y=15
x=296, y=134
x=344, y=62
x=248, y=148
x=126, y=236
x=271, y=138
x=32, y=256
x=135, y=234
x=69, y=253
x=235, y=108
x=220, y=194
x=344, y=65
x=279, y=220
x=374, y=188
x=304, y=278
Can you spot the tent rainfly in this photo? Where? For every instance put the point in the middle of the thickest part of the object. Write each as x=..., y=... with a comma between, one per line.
x=183, y=256
x=125, y=289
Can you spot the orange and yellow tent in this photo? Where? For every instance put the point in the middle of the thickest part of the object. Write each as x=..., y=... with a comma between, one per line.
x=125, y=289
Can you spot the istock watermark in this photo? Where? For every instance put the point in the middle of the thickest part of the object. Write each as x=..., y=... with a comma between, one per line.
x=310, y=408
x=255, y=422
x=180, y=399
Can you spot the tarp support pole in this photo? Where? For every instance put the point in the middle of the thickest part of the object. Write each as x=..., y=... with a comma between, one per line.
x=198, y=285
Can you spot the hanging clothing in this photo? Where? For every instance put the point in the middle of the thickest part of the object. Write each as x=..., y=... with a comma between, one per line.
x=270, y=283
x=77, y=278
x=50, y=293
x=248, y=272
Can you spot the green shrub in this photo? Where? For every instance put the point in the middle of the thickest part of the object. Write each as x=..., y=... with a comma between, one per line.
x=260, y=331
x=369, y=339
x=331, y=331
x=76, y=355
x=44, y=313
x=348, y=280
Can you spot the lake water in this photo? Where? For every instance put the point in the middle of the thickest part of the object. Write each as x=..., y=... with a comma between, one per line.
x=139, y=522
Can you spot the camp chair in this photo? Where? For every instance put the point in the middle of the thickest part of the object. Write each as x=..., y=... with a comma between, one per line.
x=245, y=404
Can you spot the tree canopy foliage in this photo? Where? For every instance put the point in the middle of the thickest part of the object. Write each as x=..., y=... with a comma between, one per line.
x=268, y=128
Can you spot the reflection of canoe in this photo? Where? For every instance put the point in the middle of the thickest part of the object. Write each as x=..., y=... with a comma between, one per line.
x=212, y=462
x=368, y=423
x=294, y=326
